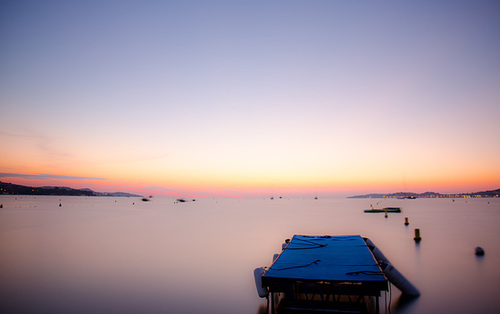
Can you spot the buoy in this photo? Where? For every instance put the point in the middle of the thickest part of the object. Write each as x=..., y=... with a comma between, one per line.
x=60, y=205
x=1, y=205
x=406, y=221
x=417, y=237
x=479, y=251
x=397, y=279
x=262, y=291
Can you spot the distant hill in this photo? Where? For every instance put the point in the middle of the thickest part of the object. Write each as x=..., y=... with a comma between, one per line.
x=492, y=193
x=117, y=194
x=15, y=189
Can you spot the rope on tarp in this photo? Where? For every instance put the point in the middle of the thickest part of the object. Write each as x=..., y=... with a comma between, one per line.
x=343, y=239
x=364, y=272
x=333, y=238
x=355, y=265
x=312, y=245
x=298, y=266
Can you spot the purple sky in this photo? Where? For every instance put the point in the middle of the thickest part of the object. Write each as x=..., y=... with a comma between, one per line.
x=298, y=96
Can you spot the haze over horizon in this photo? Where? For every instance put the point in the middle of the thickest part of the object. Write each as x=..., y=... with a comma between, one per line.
x=242, y=99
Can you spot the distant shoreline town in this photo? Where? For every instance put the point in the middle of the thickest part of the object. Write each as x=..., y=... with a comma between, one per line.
x=411, y=195
x=15, y=189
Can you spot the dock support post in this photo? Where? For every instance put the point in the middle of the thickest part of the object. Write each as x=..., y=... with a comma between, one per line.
x=417, y=237
x=272, y=302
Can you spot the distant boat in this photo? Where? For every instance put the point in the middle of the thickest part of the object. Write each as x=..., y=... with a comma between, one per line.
x=384, y=210
x=145, y=199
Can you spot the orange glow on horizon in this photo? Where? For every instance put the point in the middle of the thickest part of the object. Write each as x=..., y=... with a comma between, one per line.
x=246, y=188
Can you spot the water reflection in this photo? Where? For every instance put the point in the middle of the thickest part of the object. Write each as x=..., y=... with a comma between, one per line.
x=403, y=303
x=111, y=255
x=262, y=309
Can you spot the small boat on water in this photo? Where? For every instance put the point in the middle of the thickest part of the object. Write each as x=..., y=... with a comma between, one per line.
x=384, y=210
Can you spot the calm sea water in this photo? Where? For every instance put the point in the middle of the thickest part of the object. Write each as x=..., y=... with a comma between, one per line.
x=103, y=255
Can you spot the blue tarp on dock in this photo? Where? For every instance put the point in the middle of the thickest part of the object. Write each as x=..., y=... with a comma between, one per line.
x=326, y=258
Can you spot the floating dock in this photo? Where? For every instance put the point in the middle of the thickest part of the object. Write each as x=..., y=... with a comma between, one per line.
x=325, y=274
x=384, y=210
x=328, y=274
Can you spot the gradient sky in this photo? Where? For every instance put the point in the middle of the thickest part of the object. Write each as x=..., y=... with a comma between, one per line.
x=242, y=98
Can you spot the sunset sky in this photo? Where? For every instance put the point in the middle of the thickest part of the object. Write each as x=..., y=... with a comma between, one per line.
x=251, y=98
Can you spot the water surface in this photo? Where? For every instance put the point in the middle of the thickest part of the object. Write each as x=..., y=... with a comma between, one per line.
x=121, y=255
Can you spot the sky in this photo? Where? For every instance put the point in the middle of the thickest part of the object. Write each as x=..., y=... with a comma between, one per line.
x=251, y=98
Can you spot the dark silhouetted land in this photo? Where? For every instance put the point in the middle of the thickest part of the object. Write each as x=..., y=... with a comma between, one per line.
x=15, y=189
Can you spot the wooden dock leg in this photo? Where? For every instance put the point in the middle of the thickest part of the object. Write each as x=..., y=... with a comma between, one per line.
x=272, y=303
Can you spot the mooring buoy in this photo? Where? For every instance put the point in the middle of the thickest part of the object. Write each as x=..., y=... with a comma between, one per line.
x=60, y=205
x=479, y=251
x=417, y=237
